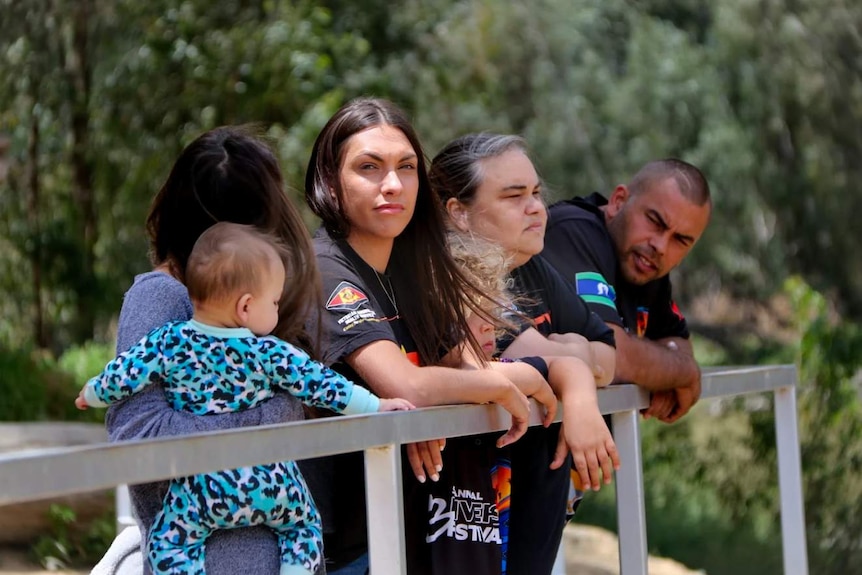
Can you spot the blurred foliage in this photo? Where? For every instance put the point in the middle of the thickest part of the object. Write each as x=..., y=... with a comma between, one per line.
x=35, y=387
x=68, y=544
x=830, y=431
x=710, y=480
x=97, y=97
x=83, y=362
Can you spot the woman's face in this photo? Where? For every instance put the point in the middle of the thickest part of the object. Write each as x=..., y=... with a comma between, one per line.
x=379, y=183
x=507, y=208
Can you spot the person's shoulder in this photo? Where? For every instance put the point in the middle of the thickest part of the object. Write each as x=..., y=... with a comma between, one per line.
x=154, y=299
x=331, y=254
x=538, y=264
x=537, y=273
x=579, y=213
x=325, y=245
x=156, y=284
x=587, y=208
x=576, y=229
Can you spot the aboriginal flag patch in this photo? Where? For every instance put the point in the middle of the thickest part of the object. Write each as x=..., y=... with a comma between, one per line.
x=346, y=297
x=675, y=310
x=594, y=288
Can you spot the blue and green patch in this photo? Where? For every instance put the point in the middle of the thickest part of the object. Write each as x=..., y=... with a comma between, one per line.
x=593, y=288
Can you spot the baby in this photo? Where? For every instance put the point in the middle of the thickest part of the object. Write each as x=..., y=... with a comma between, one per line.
x=223, y=360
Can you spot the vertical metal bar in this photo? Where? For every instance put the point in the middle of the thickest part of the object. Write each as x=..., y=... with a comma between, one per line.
x=386, y=548
x=124, y=508
x=631, y=515
x=790, y=483
x=559, y=567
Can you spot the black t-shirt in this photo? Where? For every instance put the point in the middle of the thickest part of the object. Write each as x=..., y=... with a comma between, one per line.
x=451, y=525
x=538, y=503
x=356, y=312
x=552, y=305
x=577, y=243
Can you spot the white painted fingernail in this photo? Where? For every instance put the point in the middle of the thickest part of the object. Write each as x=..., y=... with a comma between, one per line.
x=421, y=479
x=439, y=468
x=435, y=477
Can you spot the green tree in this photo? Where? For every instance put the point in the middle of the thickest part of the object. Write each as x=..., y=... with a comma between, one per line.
x=98, y=98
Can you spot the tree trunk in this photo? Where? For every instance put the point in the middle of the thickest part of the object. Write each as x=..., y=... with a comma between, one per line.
x=40, y=335
x=78, y=68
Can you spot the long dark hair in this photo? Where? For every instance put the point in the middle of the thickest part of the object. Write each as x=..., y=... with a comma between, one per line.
x=432, y=290
x=229, y=174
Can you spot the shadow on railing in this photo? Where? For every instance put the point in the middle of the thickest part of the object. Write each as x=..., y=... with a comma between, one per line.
x=63, y=471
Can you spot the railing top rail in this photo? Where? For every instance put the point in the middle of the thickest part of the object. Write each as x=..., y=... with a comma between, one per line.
x=729, y=381
x=52, y=472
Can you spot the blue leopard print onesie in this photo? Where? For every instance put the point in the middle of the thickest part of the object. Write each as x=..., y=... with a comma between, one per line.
x=204, y=370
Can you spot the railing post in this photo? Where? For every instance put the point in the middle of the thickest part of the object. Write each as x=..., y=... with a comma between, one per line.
x=631, y=516
x=790, y=483
x=387, y=550
x=559, y=567
x=124, y=508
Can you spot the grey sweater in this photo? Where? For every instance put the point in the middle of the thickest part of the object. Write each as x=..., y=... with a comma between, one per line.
x=154, y=299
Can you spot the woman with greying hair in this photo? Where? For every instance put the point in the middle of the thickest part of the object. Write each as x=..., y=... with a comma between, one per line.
x=489, y=187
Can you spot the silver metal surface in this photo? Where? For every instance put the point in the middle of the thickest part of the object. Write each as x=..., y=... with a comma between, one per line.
x=387, y=550
x=123, y=508
x=37, y=474
x=631, y=515
x=790, y=483
x=725, y=382
x=62, y=471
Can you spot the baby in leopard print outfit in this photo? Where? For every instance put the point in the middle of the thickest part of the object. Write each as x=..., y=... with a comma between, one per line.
x=223, y=360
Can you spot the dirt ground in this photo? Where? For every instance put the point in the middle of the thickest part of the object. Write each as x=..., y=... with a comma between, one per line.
x=15, y=562
x=589, y=551
x=595, y=551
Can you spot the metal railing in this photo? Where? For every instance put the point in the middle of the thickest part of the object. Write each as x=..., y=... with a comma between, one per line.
x=54, y=472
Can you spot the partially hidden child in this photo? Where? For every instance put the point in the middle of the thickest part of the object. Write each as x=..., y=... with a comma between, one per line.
x=546, y=378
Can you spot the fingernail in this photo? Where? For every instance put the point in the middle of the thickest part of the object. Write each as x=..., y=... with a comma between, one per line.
x=435, y=478
x=421, y=479
x=439, y=468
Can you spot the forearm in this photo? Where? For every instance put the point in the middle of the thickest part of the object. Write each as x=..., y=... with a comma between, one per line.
x=532, y=343
x=525, y=377
x=572, y=380
x=388, y=373
x=445, y=386
x=605, y=357
x=654, y=365
x=599, y=357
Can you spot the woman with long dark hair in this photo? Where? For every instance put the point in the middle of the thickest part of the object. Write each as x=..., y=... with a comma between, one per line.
x=394, y=304
x=226, y=174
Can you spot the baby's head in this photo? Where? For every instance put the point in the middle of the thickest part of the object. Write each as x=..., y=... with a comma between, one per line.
x=236, y=271
x=487, y=267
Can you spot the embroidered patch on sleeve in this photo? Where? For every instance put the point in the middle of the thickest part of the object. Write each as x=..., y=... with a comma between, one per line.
x=643, y=320
x=593, y=288
x=675, y=310
x=346, y=297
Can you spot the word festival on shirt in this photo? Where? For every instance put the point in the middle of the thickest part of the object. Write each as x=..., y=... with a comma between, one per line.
x=466, y=517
